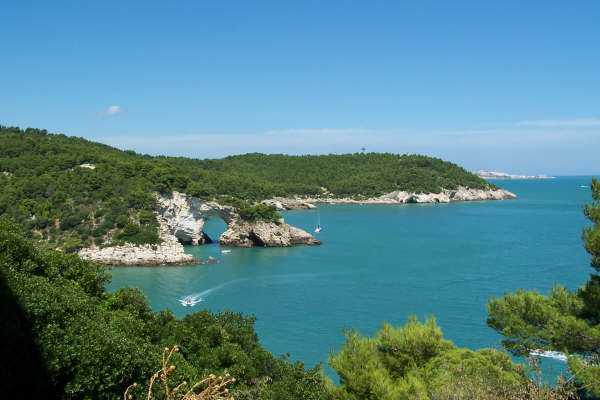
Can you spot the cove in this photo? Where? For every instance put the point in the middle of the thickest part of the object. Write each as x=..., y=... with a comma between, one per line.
x=383, y=263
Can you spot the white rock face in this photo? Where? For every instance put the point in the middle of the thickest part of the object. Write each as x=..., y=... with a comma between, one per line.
x=164, y=254
x=402, y=197
x=88, y=166
x=181, y=218
x=184, y=216
x=267, y=234
x=282, y=203
x=169, y=252
x=445, y=196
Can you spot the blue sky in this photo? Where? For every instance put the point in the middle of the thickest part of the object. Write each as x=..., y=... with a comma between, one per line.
x=509, y=86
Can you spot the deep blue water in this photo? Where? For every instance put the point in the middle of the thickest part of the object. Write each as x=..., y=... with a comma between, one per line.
x=384, y=263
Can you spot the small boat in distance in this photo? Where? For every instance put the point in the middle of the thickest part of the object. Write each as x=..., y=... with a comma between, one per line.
x=318, y=228
x=225, y=251
x=189, y=301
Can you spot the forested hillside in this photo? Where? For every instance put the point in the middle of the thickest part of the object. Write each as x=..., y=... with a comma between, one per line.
x=72, y=192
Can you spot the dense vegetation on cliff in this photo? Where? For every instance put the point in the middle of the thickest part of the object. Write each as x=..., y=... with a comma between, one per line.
x=72, y=192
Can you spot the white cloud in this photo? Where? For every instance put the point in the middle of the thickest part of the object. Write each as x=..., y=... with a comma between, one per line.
x=549, y=123
x=112, y=110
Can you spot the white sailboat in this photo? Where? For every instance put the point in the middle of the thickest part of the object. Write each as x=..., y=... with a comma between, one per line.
x=318, y=228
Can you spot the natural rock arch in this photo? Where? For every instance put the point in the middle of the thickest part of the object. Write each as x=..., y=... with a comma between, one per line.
x=183, y=216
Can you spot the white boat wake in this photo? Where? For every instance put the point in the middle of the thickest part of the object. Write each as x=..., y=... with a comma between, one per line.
x=193, y=299
x=557, y=355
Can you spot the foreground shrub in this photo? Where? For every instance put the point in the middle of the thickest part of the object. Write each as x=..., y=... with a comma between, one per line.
x=415, y=362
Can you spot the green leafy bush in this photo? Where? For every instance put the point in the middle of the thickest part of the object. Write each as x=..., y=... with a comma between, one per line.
x=415, y=362
x=121, y=221
x=69, y=222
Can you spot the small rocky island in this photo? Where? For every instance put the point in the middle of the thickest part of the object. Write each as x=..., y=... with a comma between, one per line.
x=181, y=220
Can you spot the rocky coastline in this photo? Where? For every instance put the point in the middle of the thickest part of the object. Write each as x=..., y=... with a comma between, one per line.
x=140, y=255
x=397, y=197
x=181, y=219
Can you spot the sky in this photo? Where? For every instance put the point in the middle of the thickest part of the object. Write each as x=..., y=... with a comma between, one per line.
x=510, y=86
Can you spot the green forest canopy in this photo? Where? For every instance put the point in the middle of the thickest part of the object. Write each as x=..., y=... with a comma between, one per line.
x=74, y=192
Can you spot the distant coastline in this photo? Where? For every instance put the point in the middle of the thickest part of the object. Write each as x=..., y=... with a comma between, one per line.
x=504, y=175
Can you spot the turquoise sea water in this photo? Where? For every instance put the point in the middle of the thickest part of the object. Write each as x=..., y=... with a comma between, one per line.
x=384, y=263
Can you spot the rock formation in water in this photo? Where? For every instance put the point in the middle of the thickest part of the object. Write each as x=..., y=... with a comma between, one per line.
x=267, y=234
x=181, y=219
x=184, y=216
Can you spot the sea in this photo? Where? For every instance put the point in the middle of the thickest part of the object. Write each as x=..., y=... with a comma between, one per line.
x=384, y=263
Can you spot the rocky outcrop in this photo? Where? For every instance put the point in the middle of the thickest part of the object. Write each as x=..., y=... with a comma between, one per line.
x=265, y=234
x=183, y=216
x=445, y=196
x=87, y=165
x=401, y=197
x=181, y=219
x=169, y=252
x=282, y=204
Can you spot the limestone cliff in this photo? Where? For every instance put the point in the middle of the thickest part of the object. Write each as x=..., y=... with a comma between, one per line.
x=396, y=197
x=181, y=218
x=169, y=252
